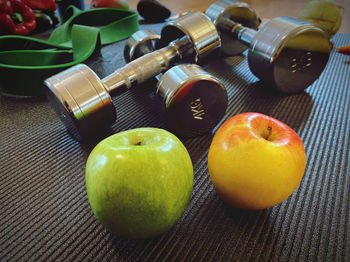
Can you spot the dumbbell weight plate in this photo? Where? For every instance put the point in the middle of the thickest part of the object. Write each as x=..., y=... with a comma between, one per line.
x=75, y=111
x=199, y=29
x=194, y=100
x=140, y=43
x=288, y=53
x=237, y=12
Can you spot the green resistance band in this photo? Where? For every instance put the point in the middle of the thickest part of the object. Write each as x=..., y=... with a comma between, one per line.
x=25, y=62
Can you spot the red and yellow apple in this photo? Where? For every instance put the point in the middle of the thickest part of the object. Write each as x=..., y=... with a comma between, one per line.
x=255, y=161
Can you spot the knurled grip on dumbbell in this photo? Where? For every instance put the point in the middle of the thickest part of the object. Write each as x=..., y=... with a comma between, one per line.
x=145, y=67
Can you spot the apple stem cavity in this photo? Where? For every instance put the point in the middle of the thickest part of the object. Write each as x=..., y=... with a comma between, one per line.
x=138, y=143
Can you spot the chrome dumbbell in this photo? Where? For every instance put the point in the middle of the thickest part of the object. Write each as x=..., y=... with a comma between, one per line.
x=83, y=101
x=288, y=53
x=194, y=101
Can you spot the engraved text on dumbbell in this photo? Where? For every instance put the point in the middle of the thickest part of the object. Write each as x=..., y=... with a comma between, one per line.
x=197, y=109
x=300, y=63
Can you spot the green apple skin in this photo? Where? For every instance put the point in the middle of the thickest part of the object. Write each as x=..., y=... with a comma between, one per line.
x=139, y=182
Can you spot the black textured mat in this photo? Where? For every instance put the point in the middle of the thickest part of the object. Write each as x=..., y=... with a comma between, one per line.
x=45, y=215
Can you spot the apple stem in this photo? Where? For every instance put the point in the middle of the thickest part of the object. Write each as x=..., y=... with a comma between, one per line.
x=138, y=143
x=269, y=132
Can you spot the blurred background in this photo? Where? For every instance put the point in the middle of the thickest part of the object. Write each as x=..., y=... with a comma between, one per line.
x=263, y=8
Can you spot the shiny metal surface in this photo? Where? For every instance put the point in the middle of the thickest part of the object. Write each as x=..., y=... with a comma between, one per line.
x=83, y=101
x=289, y=53
x=80, y=100
x=146, y=66
x=194, y=100
x=140, y=43
x=237, y=12
x=199, y=29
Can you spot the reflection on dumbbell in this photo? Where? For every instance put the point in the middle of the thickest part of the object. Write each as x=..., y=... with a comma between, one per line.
x=83, y=101
x=287, y=53
x=194, y=101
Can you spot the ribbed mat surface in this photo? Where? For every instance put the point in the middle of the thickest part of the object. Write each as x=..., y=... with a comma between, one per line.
x=45, y=215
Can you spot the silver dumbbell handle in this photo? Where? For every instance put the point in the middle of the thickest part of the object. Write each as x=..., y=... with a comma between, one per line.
x=146, y=67
x=242, y=33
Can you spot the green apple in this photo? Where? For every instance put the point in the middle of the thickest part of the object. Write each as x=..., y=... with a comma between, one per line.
x=139, y=182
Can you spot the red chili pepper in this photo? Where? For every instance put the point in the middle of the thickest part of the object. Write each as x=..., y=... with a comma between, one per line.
x=16, y=18
x=344, y=49
x=43, y=5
